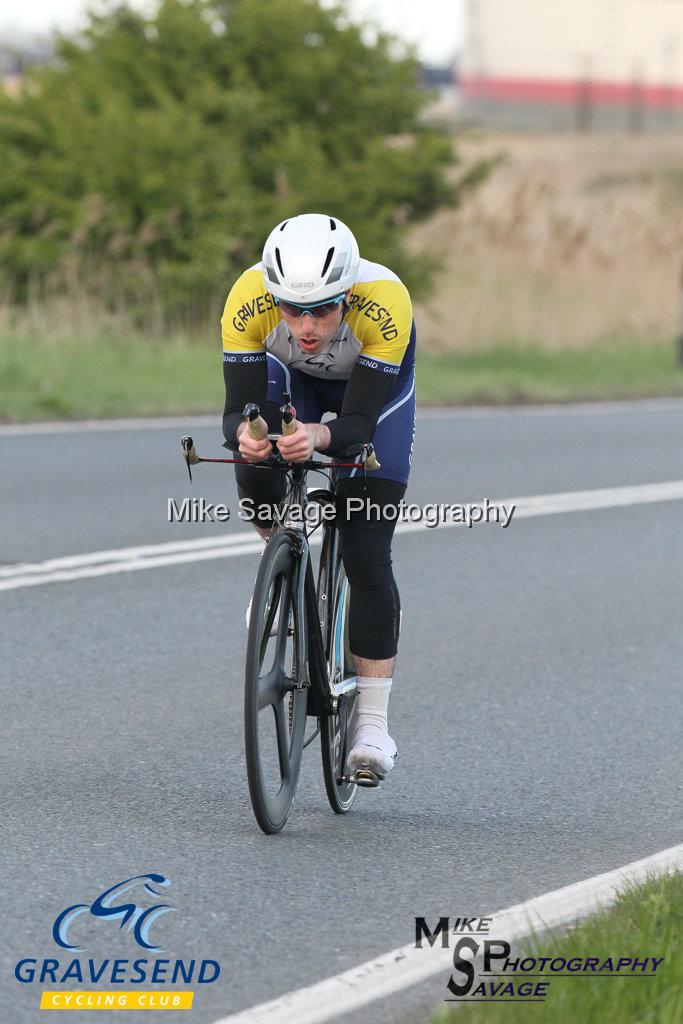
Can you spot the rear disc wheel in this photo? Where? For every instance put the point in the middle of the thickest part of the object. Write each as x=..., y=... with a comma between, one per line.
x=334, y=729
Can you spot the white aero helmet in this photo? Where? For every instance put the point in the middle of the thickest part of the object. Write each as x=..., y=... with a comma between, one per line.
x=310, y=258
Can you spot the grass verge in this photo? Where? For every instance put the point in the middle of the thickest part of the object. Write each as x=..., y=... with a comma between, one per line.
x=105, y=376
x=645, y=921
x=516, y=373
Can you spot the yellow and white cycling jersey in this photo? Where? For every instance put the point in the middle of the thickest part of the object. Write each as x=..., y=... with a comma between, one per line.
x=374, y=332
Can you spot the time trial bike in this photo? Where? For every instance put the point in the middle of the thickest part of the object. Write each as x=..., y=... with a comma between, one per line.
x=298, y=662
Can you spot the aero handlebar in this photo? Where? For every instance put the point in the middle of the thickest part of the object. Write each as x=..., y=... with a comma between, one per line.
x=251, y=415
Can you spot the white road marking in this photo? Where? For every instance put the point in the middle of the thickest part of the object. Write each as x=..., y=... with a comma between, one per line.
x=406, y=966
x=120, y=554
x=209, y=420
x=131, y=565
x=153, y=556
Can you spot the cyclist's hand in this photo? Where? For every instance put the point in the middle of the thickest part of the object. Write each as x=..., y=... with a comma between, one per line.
x=299, y=446
x=250, y=449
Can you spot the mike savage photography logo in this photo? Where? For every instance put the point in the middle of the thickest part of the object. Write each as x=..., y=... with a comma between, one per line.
x=199, y=510
x=485, y=971
x=131, y=907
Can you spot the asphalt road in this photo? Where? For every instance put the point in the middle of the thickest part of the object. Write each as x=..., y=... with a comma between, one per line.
x=536, y=707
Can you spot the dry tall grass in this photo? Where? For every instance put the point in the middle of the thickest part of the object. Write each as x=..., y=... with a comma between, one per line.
x=571, y=240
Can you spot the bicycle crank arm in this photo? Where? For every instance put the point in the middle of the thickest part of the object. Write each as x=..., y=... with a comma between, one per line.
x=344, y=688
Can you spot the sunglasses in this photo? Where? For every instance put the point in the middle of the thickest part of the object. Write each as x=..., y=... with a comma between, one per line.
x=316, y=310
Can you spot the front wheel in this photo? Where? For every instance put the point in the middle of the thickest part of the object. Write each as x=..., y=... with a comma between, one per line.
x=275, y=696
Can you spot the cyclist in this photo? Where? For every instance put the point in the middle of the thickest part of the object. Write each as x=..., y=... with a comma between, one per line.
x=336, y=332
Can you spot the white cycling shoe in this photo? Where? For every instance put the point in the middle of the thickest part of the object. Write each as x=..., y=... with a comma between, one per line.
x=372, y=756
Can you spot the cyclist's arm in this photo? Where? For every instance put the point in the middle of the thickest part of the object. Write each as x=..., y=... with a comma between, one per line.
x=366, y=394
x=248, y=316
x=244, y=382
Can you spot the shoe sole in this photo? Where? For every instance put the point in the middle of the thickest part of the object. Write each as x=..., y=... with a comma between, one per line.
x=368, y=775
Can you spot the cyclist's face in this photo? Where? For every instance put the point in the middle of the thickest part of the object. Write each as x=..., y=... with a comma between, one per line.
x=311, y=333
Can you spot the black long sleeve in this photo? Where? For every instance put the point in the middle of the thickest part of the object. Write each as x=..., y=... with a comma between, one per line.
x=244, y=382
x=366, y=394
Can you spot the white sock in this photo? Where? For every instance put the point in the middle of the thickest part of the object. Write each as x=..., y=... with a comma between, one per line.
x=372, y=702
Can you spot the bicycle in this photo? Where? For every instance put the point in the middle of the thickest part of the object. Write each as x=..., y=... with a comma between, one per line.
x=303, y=627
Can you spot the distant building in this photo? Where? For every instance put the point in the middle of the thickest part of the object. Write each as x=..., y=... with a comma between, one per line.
x=18, y=53
x=440, y=81
x=574, y=64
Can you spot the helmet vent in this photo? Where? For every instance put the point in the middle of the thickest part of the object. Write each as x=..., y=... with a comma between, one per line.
x=279, y=261
x=333, y=227
x=284, y=225
x=328, y=260
x=338, y=268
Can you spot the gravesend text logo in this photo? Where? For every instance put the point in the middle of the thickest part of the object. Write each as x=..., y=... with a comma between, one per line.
x=125, y=919
x=138, y=919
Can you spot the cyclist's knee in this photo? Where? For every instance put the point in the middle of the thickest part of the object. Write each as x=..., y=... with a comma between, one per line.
x=366, y=567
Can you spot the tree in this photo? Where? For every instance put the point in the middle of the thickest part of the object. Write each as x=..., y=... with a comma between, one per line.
x=155, y=154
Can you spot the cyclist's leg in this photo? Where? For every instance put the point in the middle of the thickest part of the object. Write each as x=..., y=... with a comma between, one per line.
x=366, y=519
x=375, y=611
x=386, y=487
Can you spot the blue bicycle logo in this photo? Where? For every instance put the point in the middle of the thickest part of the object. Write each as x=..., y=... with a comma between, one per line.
x=138, y=919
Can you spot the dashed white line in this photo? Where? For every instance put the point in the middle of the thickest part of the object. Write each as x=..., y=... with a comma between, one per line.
x=153, y=556
x=401, y=968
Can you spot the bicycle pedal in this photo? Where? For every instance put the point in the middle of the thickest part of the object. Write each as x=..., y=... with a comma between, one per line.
x=366, y=777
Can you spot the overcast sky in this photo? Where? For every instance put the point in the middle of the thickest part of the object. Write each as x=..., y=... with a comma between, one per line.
x=434, y=25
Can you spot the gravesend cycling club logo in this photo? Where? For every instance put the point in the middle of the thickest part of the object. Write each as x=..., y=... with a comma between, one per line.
x=138, y=919
x=134, y=907
x=484, y=971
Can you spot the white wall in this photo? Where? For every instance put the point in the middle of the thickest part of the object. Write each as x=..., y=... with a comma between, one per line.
x=565, y=40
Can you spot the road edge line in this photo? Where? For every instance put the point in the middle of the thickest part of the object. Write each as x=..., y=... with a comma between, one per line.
x=407, y=966
x=93, y=424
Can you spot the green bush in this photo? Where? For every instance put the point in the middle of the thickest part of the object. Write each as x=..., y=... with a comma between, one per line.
x=149, y=162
